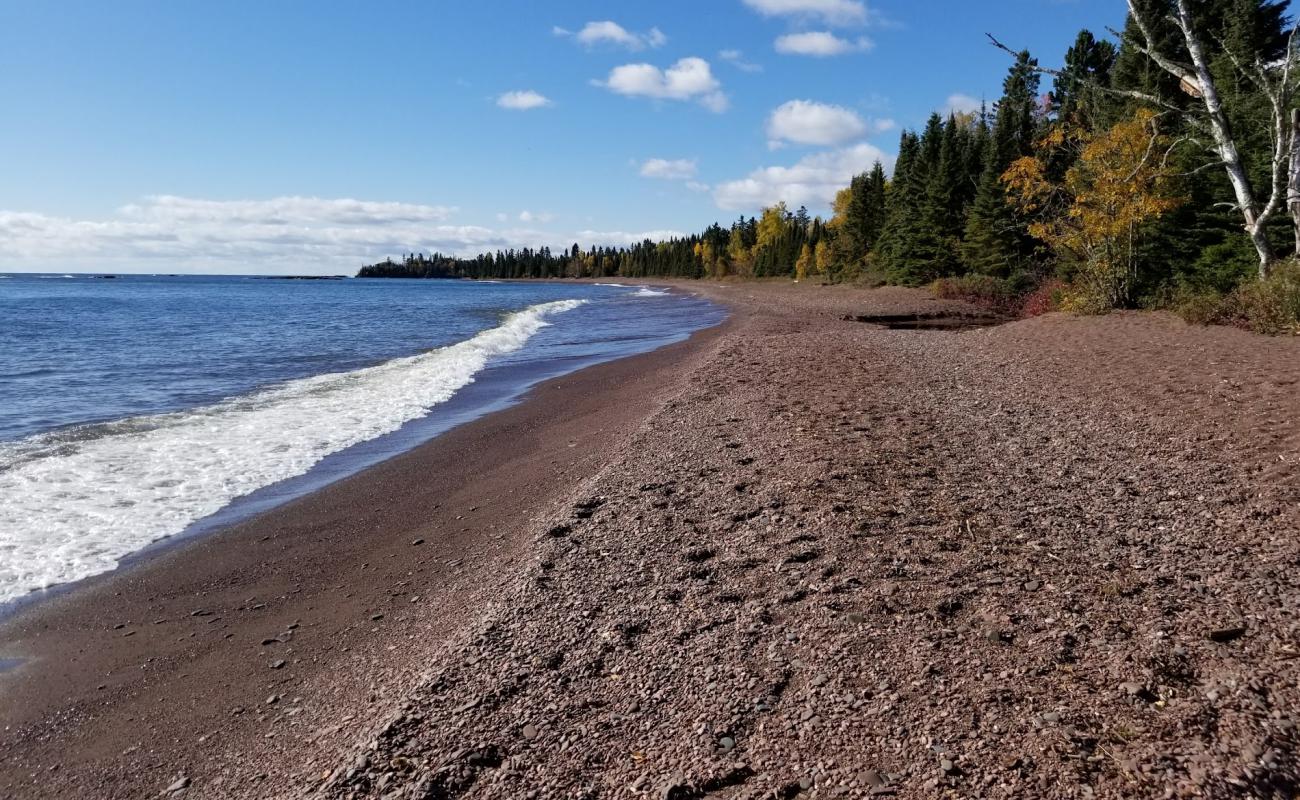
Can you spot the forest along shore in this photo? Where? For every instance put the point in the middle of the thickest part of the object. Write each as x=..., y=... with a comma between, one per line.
x=800, y=555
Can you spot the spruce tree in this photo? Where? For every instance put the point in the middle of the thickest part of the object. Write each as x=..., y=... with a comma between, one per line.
x=996, y=241
x=898, y=205
x=1076, y=96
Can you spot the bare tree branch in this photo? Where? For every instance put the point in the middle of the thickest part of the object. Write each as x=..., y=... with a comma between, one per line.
x=1143, y=97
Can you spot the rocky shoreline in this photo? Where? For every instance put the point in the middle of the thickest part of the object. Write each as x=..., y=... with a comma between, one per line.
x=1056, y=558
x=1053, y=558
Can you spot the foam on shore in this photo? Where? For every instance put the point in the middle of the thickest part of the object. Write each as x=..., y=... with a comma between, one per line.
x=74, y=502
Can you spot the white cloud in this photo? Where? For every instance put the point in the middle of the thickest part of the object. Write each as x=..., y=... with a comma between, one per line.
x=808, y=122
x=961, y=104
x=669, y=169
x=696, y=186
x=535, y=216
x=611, y=33
x=523, y=100
x=170, y=234
x=832, y=12
x=169, y=209
x=688, y=79
x=882, y=125
x=625, y=238
x=737, y=59
x=811, y=181
x=820, y=44
x=283, y=234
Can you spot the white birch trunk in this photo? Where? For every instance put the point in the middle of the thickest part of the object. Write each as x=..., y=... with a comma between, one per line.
x=1224, y=145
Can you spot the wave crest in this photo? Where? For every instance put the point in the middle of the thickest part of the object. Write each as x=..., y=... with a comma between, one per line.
x=77, y=501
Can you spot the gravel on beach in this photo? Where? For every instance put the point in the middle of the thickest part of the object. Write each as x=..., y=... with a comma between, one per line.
x=1056, y=558
x=799, y=556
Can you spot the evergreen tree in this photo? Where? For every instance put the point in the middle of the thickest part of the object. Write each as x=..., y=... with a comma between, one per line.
x=996, y=242
x=1076, y=96
x=895, y=240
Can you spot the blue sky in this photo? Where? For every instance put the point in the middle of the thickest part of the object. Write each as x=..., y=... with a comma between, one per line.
x=315, y=136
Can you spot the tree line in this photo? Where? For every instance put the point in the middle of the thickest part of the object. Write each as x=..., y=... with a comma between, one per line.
x=1158, y=168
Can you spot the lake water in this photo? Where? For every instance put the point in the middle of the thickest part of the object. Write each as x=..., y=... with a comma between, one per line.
x=139, y=408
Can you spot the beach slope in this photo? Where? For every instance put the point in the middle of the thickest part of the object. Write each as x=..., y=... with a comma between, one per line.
x=797, y=556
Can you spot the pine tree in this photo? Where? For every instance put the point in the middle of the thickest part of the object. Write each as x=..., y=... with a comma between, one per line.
x=863, y=213
x=942, y=214
x=900, y=207
x=1076, y=97
x=996, y=242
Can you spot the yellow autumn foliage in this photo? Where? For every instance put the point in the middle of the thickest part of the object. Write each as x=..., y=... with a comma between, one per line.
x=1120, y=180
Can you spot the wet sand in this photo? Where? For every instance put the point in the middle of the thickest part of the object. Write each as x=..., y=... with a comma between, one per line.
x=796, y=556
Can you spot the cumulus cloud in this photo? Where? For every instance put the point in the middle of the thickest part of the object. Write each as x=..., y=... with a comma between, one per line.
x=808, y=122
x=811, y=181
x=611, y=33
x=240, y=235
x=669, y=169
x=688, y=79
x=736, y=59
x=961, y=104
x=535, y=216
x=283, y=234
x=882, y=125
x=524, y=100
x=820, y=44
x=832, y=12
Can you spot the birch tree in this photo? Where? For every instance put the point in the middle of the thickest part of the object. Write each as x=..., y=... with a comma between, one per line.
x=1210, y=125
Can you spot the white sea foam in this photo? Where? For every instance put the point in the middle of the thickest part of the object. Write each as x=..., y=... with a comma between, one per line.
x=72, y=503
x=646, y=291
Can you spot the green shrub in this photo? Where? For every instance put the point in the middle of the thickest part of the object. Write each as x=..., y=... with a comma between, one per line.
x=998, y=294
x=1270, y=306
x=1198, y=308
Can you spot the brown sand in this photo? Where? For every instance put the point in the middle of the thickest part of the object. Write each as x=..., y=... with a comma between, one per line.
x=796, y=557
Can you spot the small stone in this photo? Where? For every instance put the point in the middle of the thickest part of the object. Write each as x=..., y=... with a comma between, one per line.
x=1032, y=586
x=1131, y=688
x=273, y=699
x=376, y=617
x=819, y=680
x=854, y=618
x=278, y=664
x=806, y=782
x=1222, y=635
x=947, y=766
x=726, y=744
x=530, y=731
x=417, y=542
x=1052, y=717
x=675, y=787
x=179, y=785
x=872, y=778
